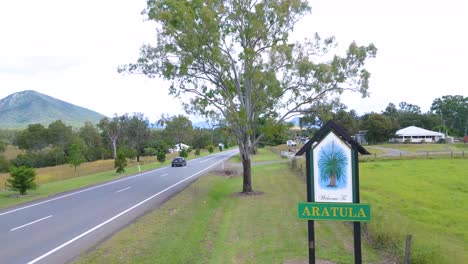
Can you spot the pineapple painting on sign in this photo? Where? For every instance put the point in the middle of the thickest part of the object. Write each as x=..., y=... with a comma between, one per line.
x=332, y=171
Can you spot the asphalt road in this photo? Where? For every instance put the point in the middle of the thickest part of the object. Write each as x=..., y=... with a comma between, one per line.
x=59, y=229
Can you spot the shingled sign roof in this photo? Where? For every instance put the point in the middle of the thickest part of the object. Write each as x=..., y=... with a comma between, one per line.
x=339, y=131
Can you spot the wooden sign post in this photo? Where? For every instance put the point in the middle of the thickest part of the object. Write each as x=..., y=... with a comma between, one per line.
x=333, y=183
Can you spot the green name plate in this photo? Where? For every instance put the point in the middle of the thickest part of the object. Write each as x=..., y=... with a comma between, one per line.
x=334, y=211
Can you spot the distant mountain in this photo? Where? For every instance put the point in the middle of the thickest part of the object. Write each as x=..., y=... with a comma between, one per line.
x=202, y=124
x=20, y=109
x=295, y=121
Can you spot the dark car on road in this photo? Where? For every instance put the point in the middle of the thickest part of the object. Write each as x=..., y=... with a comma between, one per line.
x=179, y=161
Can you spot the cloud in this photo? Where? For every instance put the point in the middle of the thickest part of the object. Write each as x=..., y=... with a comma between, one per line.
x=35, y=64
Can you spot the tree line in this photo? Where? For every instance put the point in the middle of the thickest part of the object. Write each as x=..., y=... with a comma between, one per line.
x=132, y=135
x=448, y=114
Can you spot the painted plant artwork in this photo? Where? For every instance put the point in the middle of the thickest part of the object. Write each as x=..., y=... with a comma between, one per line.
x=332, y=163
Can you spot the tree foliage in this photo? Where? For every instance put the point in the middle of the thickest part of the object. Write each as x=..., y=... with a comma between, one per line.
x=22, y=179
x=178, y=129
x=379, y=127
x=112, y=129
x=161, y=156
x=234, y=57
x=136, y=131
x=453, y=111
x=75, y=157
x=120, y=162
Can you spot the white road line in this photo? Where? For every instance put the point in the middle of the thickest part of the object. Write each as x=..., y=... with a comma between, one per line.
x=33, y=222
x=165, y=174
x=124, y=189
x=74, y=193
x=120, y=214
x=207, y=160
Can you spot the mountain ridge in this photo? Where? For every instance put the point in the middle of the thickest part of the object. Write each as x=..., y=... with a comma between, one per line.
x=20, y=109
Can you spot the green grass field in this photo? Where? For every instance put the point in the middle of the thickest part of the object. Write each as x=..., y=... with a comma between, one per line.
x=425, y=198
x=209, y=223
x=424, y=147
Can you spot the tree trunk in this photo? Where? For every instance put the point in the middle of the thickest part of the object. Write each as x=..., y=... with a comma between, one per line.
x=332, y=181
x=247, y=176
x=246, y=164
x=138, y=158
x=114, y=146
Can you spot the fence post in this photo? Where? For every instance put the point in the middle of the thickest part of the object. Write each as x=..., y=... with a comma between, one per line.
x=400, y=154
x=451, y=154
x=408, y=249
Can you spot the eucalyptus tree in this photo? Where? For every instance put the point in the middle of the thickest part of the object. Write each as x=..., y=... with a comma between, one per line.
x=178, y=128
x=453, y=111
x=137, y=132
x=235, y=58
x=112, y=129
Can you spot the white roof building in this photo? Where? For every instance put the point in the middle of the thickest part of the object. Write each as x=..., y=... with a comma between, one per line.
x=415, y=134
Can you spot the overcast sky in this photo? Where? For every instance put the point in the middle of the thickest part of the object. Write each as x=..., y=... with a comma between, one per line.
x=70, y=50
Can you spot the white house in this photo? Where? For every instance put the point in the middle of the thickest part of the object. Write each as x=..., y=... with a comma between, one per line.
x=417, y=135
x=179, y=147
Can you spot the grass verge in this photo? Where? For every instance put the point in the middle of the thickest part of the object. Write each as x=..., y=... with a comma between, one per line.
x=209, y=223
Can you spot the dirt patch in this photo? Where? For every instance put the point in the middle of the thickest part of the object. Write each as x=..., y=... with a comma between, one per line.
x=228, y=172
x=248, y=194
x=306, y=261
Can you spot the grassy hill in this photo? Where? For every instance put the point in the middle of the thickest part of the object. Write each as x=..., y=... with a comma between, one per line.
x=20, y=109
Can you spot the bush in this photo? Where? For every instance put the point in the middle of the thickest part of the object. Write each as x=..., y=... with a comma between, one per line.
x=161, y=156
x=183, y=153
x=22, y=179
x=120, y=162
x=150, y=151
x=210, y=149
x=45, y=158
x=4, y=164
x=197, y=152
x=407, y=141
x=441, y=141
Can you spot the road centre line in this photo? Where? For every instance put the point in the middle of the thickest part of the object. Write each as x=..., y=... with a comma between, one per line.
x=84, y=190
x=207, y=160
x=124, y=189
x=122, y=213
x=33, y=222
x=165, y=174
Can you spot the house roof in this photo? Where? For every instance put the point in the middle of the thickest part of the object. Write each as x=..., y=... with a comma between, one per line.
x=332, y=126
x=417, y=131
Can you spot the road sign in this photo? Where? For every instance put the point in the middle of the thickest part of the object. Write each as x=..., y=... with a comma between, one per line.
x=334, y=211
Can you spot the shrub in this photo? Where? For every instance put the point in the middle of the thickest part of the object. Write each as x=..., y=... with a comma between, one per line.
x=120, y=162
x=407, y=141
x=441, y=141
x=197, y=152
x=210, y=149
x=161, y=156
x=22, y=179
x=183, y=153
x=150, y=151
